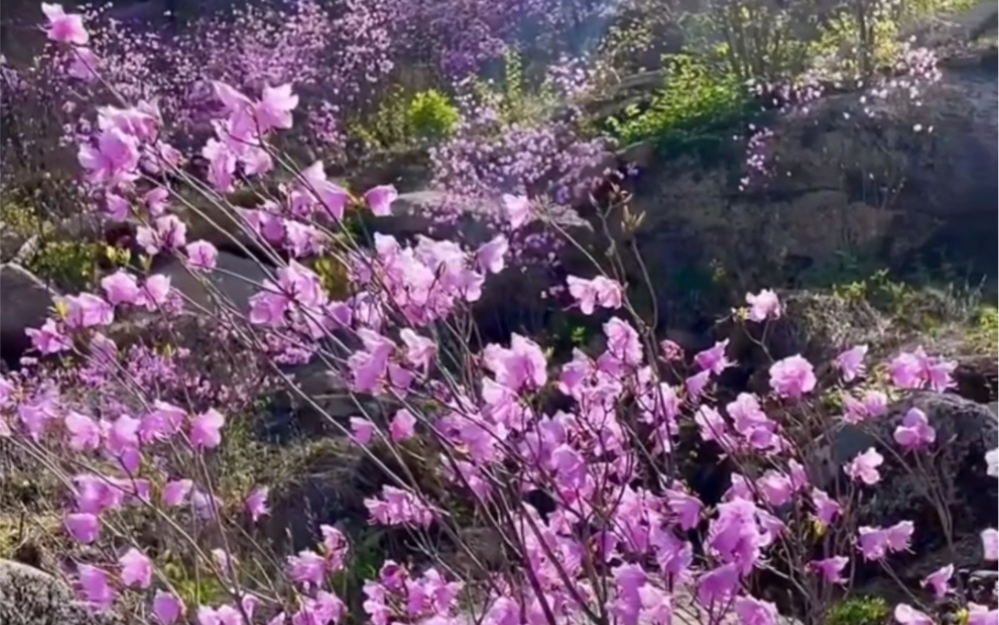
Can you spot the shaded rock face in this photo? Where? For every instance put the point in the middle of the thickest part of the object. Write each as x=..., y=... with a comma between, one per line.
x=29, y=596
x=965, y=431
x=884, y=188
x=24, y=303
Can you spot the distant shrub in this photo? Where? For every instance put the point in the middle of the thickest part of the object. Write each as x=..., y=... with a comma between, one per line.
x=698, y=104
x=860, y=611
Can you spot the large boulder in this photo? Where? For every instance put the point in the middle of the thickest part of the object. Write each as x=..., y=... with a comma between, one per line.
x=25, y=303
x=965, y=431
x=29, y=596
x=910, y=183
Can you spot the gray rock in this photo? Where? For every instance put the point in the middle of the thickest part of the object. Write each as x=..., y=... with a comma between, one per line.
x=965, y=431
x=29, y=596
x=235, y=280
x=25, y=302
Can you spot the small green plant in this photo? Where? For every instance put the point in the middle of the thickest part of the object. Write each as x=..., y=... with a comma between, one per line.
x=68, y=264
x=984, y=333
x=862, y=610
x=431, y=115
x=698, y=106
x=406, y=120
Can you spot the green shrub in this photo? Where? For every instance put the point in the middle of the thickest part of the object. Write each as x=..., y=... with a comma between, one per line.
x=70, y=265
x=698, y=107
x=860, y=611
x=984, y=334
x=431, y=115
x=407, y=120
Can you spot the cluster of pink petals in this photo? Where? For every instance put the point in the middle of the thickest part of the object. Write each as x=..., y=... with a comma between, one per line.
x=763, y=305
x=916, y=369
x=600, y=291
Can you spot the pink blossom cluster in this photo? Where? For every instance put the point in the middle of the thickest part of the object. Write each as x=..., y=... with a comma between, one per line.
x=626, y=536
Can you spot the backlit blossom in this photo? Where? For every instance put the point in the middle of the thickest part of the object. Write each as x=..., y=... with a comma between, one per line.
x=600, y=291
x=831, y=569
x=915, y=430
x=792, y=377
x=851, y=363
x=136, y=569
x=990, y=544
x=763, y=305
x=938, y=580
x=864, y=467
x=64, y=27
x=908, y=615
x=95, y=587
x=379, y=199
x=517, y=209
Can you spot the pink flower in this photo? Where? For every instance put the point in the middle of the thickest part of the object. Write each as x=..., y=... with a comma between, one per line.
x=990, y=544
x=136, y=569
x=113, y=160
x=872, y=404
x=201, y=255
x=718, y=585
x=695, y=384
x=83, y=527
x=671, y=351
x=419, y=349
x=864, y=468
x=167, y=608
x=826, y=508
x=764, y=305
x=623, y=343
x=491, y=256
x=981, y=615
x=601, y=291
x=162, y=423
x=379, y=199
x=221, y=164
x=523, y=364
x=687, y=508
x=275, y=107
x=714, y=359
x=916, y=369
x=938, y=580
x=120, y=288
x=94, y=587
x=907, y=615
x=84, y=432
x=851, y=362
x=876, y=542
x=156, y=201
x=87, y=311
x=315, y=187
x=752, y=611
x=83, y=64
x=63, y=27
x=915, y=430
x=403, y=426
x=831, y=569
x=362, y=429
x=206, y=429
x=308, y=568
x=398, y=507
x=256, y=503
x=49, y=339
x=792, y=377
x=176, y=491
x=517, y=209
x=776, y=487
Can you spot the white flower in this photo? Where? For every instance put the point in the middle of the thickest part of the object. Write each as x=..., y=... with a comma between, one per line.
x=992, y=460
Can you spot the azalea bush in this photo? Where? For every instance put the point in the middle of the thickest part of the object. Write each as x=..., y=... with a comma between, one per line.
x=576, y=471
